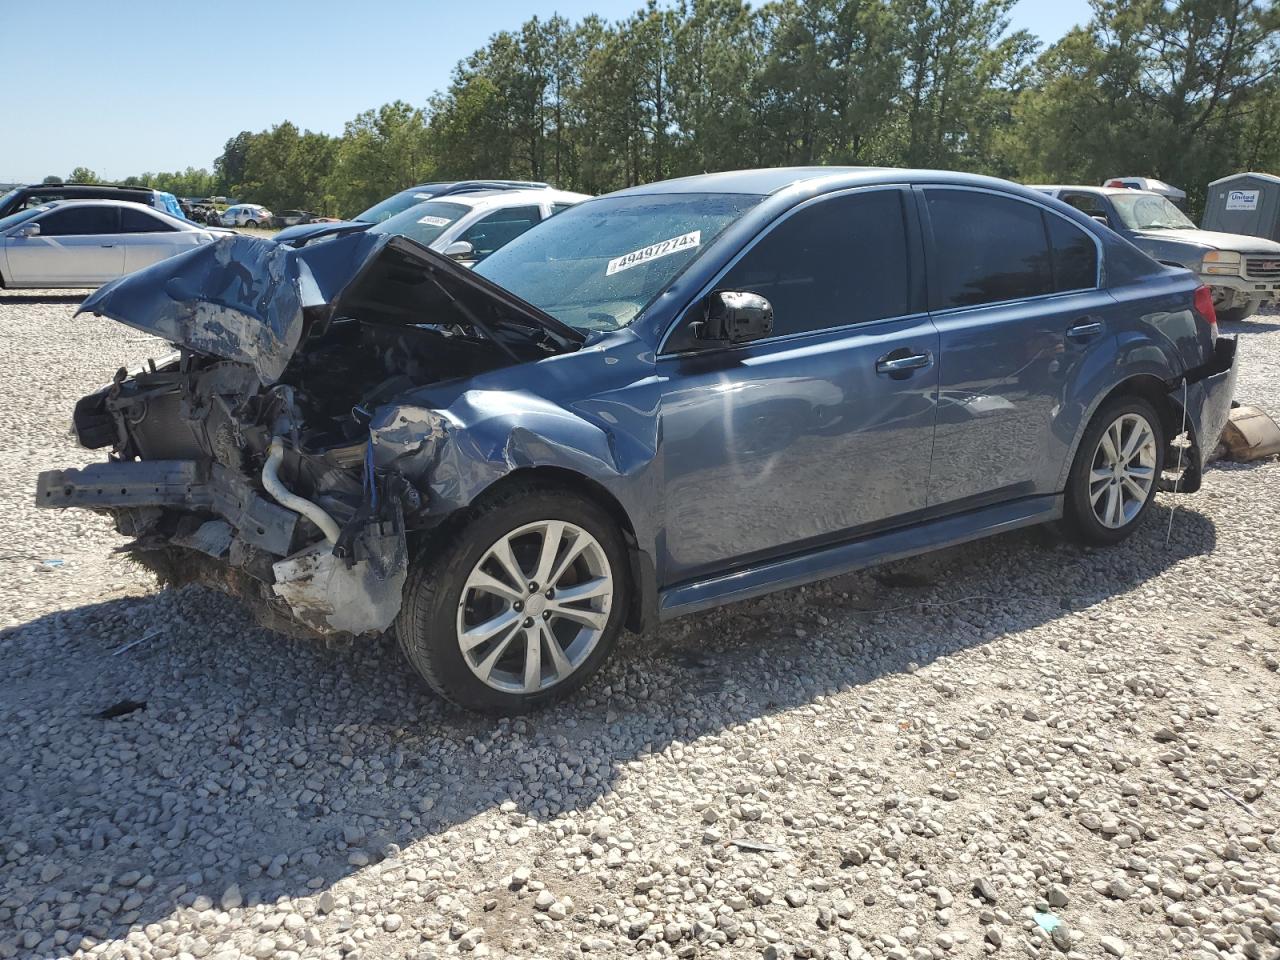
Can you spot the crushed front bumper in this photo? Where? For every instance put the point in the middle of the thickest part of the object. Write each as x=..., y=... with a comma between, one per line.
x=248, y=538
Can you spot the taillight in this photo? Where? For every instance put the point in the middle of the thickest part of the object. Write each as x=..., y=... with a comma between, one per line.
x=1203, y=302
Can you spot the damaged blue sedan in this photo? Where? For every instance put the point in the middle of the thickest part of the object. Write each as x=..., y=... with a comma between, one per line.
x=658, y=401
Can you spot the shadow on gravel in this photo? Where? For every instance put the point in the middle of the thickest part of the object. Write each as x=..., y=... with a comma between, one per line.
x=281, y=765
x=7, y=298
x=1251, y=326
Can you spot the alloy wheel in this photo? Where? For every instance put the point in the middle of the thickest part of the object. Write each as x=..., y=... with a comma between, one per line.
x=1123, y=470
x=535, y=606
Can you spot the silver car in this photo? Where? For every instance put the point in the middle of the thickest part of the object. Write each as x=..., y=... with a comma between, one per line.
x=85, y=243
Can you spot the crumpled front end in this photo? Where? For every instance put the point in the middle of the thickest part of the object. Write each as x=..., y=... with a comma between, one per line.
x=247, y=462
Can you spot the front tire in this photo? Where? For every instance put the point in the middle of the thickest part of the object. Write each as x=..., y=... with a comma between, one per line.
x=251, y=224
x=520, y=605
x=1116, y=471
x=1236, y=314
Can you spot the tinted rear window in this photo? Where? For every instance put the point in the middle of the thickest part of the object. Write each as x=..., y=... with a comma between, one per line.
x=1075, y=255
x=986, y=249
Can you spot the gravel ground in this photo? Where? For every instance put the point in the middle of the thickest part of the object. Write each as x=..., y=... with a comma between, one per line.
x=1021, y=748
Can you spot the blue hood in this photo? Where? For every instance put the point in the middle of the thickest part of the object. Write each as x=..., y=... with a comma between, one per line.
x=297, y=235
x=243, y=298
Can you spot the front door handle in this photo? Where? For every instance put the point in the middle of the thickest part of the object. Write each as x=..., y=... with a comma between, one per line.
x=108, y=244
x=1084, y=329
x=902, y=363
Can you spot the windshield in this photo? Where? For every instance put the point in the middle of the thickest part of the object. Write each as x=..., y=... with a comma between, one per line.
x=597, y=265
x=384, y=209
x=423, y=222
x=1148, y=211
x=16, y=218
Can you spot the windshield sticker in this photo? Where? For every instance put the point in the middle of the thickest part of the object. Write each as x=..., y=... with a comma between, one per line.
x=434, y=221
x=652, y=252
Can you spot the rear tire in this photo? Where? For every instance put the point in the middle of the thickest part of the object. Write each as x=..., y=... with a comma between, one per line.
x=251, y=224
x=485, y=642
x=1116, y=472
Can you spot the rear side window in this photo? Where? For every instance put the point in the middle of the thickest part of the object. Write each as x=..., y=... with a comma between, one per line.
x=836, y=262
x=986, y=249
x=139, y=221
x=79, y=221
x=1075, y=255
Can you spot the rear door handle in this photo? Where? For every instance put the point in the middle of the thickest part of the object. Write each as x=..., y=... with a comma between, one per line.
x=1084, y=329
x=900, y=362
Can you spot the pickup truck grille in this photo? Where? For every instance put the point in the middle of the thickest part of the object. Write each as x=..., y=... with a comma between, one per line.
x=1263, y=268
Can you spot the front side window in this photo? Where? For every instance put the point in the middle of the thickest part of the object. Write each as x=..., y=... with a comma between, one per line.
x=597, y=265
x=836, y=262
x=986, y=249
x=79, y=221
x=423, y=222
x=1149, y=211
x=499, y=228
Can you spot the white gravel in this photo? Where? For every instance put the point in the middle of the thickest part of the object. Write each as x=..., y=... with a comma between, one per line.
x=1084, y=762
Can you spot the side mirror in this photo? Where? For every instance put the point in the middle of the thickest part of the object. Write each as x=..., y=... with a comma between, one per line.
x=734, y=317
x=460, y=250
x=1101, y=219
x=29, y=230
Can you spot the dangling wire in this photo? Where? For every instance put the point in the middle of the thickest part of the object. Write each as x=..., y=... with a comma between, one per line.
x=1179, y=442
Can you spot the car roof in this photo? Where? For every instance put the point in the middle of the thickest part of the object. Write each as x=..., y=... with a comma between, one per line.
x=103, y=202
x=440, y=187
x=38, y=187
x=1105, y=191
x=494, y=198
x=814, y=179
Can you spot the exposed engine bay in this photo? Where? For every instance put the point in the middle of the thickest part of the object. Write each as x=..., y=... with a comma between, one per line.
x=268, y=486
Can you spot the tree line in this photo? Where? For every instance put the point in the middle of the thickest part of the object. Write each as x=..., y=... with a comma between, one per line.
x=1182, y=90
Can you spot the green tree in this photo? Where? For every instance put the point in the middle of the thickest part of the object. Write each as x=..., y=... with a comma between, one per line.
x=230, y=165
x=1181, y=90
x=381, y=151
x=51, y=179
x=82, y=175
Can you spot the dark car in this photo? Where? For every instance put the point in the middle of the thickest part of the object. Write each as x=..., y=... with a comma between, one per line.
x=657, y=401
x=292, y=218
x=22, y=198
x=396, y=203
x=1242, y=272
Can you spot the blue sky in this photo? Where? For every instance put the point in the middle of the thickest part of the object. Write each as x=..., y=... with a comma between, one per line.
x=124, y=88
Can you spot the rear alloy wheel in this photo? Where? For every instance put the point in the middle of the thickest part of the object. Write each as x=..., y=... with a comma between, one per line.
x=1117, y=468
x=519, y=606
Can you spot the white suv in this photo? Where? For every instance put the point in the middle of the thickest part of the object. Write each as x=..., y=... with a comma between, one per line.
x=470, y=226
x=246, y=215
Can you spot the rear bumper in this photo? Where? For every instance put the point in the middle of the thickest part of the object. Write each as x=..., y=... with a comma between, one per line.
x=1208, y=391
